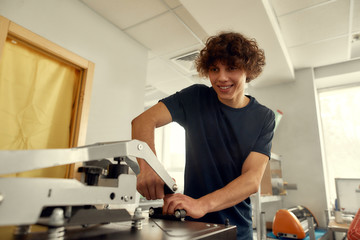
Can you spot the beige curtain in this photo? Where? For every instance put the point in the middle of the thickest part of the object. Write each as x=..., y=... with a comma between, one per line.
x=37, y=97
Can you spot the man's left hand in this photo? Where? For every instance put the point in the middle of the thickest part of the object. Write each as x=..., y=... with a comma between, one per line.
x=193, y=207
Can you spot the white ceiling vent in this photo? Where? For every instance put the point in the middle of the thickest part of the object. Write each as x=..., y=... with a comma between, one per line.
x=186, y=61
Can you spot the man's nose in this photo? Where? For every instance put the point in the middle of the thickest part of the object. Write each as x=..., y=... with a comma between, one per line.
x=223, y=75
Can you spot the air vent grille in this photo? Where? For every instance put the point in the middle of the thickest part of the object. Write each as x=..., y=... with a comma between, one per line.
x=186, y=61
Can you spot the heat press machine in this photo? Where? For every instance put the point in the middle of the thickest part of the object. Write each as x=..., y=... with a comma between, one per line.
x=94, y=207
x=295, y=223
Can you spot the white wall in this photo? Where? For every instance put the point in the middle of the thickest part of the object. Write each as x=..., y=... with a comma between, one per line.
x=297, y=140
x=120, y=62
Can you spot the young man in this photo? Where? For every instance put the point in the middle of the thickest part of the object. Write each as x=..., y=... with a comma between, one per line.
x=228, y=136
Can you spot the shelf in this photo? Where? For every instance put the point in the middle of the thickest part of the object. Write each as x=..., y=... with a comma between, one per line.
x=272, y=198
x=269, y=198
x=275, y=156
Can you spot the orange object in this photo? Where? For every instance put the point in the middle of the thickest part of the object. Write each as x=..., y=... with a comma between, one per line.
x=292, y=223
x=354, y=229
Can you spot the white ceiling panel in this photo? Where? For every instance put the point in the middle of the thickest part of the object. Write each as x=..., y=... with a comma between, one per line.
x=126, y=13
x=319, y=54
x=191, y=23
x=214, y=16
x=283, y=7
x=163, y=34
x=315, y=24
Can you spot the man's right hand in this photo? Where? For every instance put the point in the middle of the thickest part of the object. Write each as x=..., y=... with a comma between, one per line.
x=149, y=184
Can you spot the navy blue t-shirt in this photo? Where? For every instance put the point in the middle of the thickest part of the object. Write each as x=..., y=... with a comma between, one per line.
x=218, y=140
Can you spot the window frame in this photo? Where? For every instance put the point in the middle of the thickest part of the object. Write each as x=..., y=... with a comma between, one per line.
x=13, y=31
x=329, y=179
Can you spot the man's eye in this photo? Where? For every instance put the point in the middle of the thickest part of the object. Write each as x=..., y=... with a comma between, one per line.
x=233, y=68
x=213, y=69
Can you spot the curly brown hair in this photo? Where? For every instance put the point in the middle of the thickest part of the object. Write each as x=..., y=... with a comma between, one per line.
x=231, y=49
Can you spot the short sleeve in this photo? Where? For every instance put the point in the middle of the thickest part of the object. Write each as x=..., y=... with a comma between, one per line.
x=182, y=102
x=263, y=144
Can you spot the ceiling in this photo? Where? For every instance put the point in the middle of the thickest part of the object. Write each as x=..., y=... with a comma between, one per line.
x=293, y=33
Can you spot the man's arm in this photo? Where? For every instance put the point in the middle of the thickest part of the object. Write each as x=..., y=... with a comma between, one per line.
x=233, y=193
x=149, y=183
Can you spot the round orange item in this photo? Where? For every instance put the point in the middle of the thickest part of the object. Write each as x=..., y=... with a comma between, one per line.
x=285, y=222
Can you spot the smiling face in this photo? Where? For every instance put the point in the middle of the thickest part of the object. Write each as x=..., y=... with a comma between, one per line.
x=229, y=84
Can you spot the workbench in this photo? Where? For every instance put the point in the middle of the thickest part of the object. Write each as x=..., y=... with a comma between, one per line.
x=152, y=229
x=337, y=227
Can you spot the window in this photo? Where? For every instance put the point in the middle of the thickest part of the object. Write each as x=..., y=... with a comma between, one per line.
x=171, y=151
x=340, y=116
x=44, y=95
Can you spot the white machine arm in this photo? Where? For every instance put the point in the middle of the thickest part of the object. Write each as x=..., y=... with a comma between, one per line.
x=23, y=199
x=14, y=161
